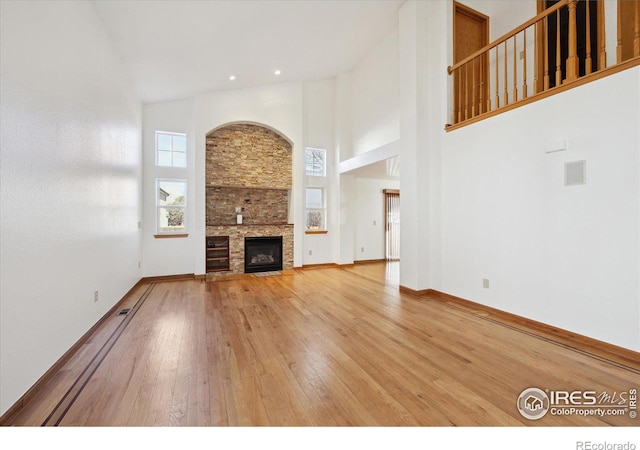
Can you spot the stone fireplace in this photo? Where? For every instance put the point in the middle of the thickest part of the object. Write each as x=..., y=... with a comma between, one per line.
x=249, y=174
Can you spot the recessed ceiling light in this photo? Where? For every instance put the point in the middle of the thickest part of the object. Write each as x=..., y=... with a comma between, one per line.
x=232, y=77
x=277, y=72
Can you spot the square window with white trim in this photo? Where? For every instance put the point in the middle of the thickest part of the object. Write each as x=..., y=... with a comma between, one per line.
x=315, y=162
x=171, y=206
x=171, y=149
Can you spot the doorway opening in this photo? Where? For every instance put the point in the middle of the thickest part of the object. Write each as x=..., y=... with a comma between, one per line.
x=470, y=86
x=587, y=37
x=392, y=224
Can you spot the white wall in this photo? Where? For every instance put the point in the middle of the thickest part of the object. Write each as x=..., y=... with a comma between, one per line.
x=504, y=16
x=566, y=256
x=319, y=108
x=319, y=124
x=70, y=185
x=485, y=201
x=519, y=233
x=169, y=256
x=367, y=114
x=423, y=104
x=374, y=97
x=368, y=217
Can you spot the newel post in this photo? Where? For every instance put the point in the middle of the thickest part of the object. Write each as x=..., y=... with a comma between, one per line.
x=572, y=60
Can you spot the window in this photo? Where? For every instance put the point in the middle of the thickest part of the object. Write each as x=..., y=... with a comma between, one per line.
x=315, y=162
x=171, y=203
x=315, y=165
x=171, y=149
x=316, y=216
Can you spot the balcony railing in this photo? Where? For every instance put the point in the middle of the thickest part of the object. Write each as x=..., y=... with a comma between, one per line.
x=561, y=46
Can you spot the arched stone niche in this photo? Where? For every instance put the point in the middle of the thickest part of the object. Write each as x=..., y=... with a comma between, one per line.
x=248, y=168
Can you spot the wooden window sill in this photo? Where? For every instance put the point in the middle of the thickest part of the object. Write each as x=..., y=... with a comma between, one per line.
x=316, y=232
x=170, y=236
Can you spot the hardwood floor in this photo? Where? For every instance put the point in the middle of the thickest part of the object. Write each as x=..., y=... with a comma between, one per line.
x=321, y=347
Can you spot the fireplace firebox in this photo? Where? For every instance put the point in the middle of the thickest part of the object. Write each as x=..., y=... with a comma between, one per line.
x=262, y=254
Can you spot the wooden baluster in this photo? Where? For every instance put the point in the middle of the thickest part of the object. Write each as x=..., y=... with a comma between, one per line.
x=473, y=87
x=636, y=30
x=524, y=66
x=486, y=82
x=454, y=112
x=545, y=50
x=536, y=53
x=506, y=94
x=558, y=67
x=455, y=96
x=619, y=46
x=497, y=78
x=573, y=60
x=461, y=116
x=466, y=91
x=486, y=74
x=481, y=84
x=587, y=62
x=459, y=94
x=602, y=56
x=515, y=69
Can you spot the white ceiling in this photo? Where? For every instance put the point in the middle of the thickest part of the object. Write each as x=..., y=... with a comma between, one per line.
x=175, y=49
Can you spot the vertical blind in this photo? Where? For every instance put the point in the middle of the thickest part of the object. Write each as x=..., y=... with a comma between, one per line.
x=392, y=218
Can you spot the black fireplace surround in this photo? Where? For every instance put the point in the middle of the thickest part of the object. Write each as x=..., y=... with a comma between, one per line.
x=262, y=254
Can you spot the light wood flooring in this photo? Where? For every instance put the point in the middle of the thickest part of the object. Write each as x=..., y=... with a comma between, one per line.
x=321, y=347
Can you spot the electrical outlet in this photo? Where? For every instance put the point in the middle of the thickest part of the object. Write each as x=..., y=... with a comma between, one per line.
x=374, y=223
x=310, y=252
x=361, y=249
x=139, y=264
x=96, y=294
x=485, y=283
x=139, y=225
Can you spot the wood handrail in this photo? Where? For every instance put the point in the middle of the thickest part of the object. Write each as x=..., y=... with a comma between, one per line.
x=557, y=60
x=593, y=76
x=510, y=34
